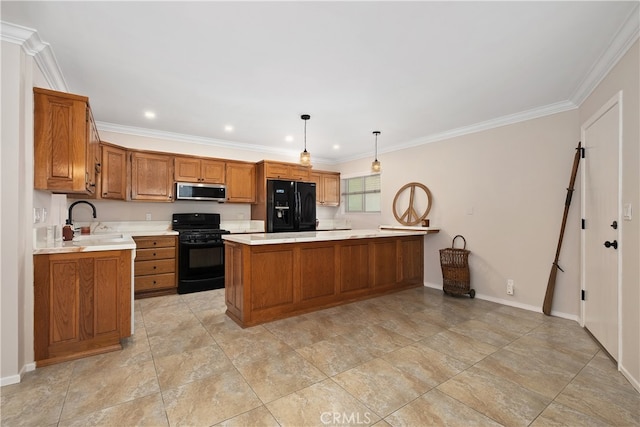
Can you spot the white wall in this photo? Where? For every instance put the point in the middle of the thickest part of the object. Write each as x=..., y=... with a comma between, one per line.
x=504, y=191
x=16, y=170
x=625, y=77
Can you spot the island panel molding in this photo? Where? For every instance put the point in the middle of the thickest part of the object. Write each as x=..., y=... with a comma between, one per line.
x=283, y=277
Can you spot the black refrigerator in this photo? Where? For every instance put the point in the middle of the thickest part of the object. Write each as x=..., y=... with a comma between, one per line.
x=291, y=206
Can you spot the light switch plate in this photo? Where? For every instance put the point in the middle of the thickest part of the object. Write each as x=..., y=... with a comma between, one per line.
x=627, y=212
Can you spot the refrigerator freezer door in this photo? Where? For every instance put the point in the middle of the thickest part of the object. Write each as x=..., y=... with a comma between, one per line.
x=281, y=206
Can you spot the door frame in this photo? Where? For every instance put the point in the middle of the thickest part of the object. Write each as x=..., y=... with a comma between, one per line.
x=614, y=102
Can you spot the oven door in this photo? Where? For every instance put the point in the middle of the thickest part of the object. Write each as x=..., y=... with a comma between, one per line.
x=201, y=266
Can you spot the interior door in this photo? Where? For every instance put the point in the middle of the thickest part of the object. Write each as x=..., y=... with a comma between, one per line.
x=601, y=243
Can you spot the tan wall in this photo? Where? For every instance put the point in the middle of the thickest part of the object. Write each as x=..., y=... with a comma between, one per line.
x=625, y=77
x=504, y=190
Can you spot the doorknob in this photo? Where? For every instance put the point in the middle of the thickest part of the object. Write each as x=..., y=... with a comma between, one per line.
x=609, y=244
x=614, y=225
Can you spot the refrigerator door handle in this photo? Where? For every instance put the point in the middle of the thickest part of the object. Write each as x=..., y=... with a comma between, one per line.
x=298, y=212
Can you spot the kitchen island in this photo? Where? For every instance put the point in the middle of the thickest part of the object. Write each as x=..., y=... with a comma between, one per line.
x=270, y=276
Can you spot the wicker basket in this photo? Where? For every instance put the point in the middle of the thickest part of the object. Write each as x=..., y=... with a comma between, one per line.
x=455, y=269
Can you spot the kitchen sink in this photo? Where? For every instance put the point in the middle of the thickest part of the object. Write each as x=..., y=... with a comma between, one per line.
x=100, y=239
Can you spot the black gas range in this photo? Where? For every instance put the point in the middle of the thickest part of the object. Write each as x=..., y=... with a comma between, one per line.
x=200, y=252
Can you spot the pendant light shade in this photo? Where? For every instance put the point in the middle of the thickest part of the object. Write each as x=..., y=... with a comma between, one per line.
x=375, y=165
x=305, y=156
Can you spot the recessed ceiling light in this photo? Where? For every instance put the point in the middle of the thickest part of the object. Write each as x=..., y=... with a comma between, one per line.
x=228, y=128
x=288, y=138
x=336, y=147
x=150, y=114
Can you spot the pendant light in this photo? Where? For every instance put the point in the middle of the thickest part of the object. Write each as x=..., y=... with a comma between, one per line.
x=305, y=156
x=375, y=165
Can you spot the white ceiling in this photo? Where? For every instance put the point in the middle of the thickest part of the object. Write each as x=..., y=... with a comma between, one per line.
x=416, y=71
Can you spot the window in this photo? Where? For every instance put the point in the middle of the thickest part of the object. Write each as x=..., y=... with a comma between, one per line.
x=362, y=193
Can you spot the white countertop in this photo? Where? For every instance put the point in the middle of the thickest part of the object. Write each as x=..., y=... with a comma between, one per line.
x=410, y=227
x=315, y=236
x=90, y=243
x=104, y=236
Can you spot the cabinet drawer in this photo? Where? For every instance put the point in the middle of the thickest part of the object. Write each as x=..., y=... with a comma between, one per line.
x=155, y=281
x=143, y=268
x=155, y=242
x=155, y=253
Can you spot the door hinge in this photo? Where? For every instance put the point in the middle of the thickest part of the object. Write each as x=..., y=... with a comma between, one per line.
x=582, y=153
x=583, y=295
x=583, y=224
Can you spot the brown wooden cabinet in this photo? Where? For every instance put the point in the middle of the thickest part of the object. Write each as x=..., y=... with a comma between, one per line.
x=155, y=268
x=280, y=170
x=66, y=152
x=241, y=182
x=193, y=169
x=113, y=176
x=267, y=282
x=151, y=176
x=82, y=304
x=327, y=187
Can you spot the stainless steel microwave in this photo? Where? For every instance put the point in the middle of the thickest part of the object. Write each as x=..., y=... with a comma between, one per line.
x=194, y=191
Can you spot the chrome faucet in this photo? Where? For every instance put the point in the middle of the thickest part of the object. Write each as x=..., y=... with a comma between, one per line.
x=70, y=219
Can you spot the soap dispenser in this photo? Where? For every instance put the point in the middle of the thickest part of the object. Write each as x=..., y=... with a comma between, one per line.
x=67, y=232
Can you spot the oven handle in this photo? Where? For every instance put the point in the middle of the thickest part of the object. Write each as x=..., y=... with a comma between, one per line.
x=202, y=244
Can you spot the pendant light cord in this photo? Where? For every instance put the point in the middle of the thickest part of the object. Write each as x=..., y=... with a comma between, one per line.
x=376, y=146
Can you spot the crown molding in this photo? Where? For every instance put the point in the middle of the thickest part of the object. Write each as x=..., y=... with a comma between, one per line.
x=213, y=142
x=523, y=116
x=625, y=38
x=41, y=51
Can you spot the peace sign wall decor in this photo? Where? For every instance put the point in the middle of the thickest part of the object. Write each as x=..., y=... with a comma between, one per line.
x=407, y=198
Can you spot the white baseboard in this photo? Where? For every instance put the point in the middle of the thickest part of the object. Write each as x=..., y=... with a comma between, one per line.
x=12, y=379
x=15, y=379
x=512, y=303
x=634, y=382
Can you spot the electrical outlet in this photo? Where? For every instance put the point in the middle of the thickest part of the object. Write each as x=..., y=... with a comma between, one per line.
x=148, y=217
x=509, y=286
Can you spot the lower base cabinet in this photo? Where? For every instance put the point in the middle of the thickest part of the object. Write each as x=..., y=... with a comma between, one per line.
x=82, y=304
x=155, y=267
x=268, y=282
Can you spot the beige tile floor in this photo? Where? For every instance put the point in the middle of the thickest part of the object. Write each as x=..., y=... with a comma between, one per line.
x=414, y=358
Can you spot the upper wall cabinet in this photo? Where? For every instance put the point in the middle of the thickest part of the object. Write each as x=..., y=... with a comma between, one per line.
x=327, y=187
x=66, y=151
x=151, y=177
x=193, y=169
x=113, y=177
x=279, y=170
x=241, y=182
